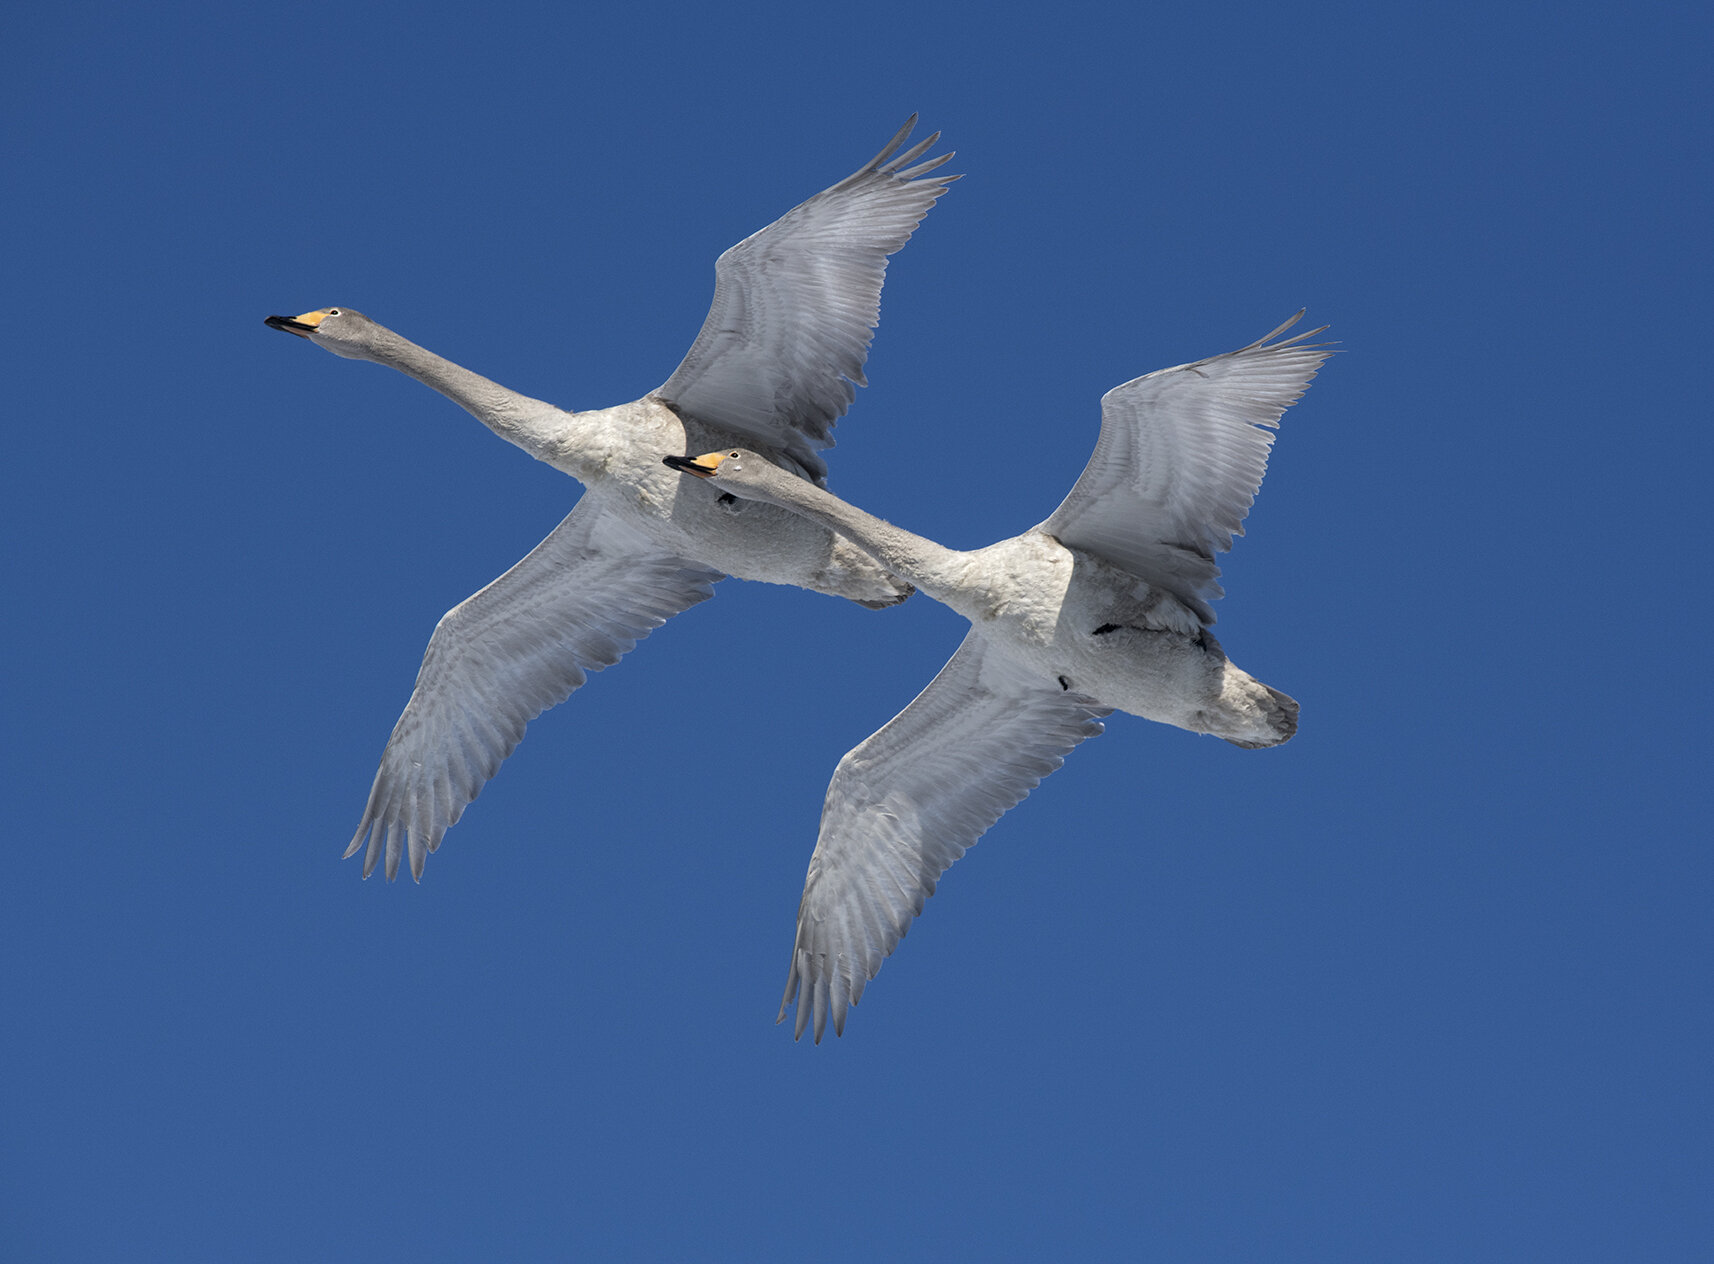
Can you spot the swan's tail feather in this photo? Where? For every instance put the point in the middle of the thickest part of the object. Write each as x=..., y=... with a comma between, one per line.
x=1275, y=718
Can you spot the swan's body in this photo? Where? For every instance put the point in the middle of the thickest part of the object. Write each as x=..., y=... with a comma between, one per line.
x=772, y=368
x=1103, y=607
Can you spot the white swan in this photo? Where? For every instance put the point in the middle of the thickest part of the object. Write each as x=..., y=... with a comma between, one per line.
x=1102, y=607
x=773, y=366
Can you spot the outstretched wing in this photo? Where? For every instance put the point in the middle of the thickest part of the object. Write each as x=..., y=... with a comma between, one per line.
x=907, y=803
x=583, y=597
x=1180, y=458
x=796, y=304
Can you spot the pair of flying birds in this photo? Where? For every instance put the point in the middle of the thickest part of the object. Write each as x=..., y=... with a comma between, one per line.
x=1104, y=606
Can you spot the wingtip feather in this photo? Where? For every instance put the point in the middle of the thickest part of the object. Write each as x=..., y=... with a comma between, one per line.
x=874, y=164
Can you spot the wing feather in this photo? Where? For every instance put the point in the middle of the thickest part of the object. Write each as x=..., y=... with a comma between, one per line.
x=1179, y=461
x=908, y=802
x=795, y=307
x=581, y=598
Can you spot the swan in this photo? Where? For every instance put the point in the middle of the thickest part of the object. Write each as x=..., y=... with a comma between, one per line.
x=773, y=367
x=1103, y=607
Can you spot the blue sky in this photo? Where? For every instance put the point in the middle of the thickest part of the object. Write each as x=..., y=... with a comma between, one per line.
x=1430, y=982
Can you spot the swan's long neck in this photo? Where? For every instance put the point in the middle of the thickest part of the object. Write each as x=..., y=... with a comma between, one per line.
x=938, y=571
x=534, y=425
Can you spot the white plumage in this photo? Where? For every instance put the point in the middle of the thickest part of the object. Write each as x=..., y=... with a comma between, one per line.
x=1103, y=607
x=773, y=368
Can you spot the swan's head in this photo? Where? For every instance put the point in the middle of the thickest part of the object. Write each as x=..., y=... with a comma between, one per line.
x=743, y=474
x=339, y=329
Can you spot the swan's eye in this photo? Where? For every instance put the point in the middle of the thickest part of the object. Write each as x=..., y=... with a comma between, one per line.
x=731, y=454
x=334, y=311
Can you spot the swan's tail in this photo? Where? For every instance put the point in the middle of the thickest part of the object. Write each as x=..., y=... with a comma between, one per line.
x=906, y=591
x=851, y=573
x=1267, y=716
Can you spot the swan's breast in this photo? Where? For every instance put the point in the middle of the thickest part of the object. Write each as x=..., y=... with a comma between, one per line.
x=1021, y=582
x=615, y=447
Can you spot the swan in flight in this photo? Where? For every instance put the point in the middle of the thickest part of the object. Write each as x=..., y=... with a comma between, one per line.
x=1103, y=607
x=773, y=368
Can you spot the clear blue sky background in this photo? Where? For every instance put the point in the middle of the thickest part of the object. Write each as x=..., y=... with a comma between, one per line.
x=1429, y=983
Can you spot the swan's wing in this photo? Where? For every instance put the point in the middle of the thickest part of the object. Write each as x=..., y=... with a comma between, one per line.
x=907, y=803
x=795, y=306
x=1180, y=458
x=583, y=597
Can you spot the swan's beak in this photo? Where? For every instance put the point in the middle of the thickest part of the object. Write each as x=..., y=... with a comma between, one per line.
x=303, y=326
x=701, y=466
